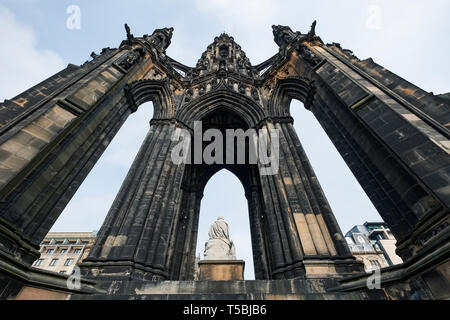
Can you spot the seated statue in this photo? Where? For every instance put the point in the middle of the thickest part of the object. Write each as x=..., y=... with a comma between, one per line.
x=219, y=246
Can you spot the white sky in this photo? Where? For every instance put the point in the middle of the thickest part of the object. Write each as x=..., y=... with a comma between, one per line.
x=410, y=38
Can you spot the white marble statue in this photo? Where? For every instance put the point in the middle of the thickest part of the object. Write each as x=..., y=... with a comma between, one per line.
x=219, y=246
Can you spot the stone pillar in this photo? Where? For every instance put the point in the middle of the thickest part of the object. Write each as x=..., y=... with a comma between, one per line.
x=286, y=254
x=394, y=137
x=331, y=232
x=184, y=235
x=309, y=233
x=49, y=141
x=259, y=239
x=134, y=239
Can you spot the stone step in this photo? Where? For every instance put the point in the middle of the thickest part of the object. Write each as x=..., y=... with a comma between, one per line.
x=226, y=296
x=295, y=289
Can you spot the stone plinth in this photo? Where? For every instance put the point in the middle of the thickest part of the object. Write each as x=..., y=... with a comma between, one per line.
x=221, y=270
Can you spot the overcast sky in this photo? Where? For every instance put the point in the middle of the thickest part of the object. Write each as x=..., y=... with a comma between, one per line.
x=410, y=38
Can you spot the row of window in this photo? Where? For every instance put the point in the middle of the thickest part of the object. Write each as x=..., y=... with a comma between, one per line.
x=53, y=262
x=53, y=242
x=62, y=251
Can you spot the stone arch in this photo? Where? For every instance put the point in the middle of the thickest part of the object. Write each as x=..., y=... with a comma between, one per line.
x=184, y=235
x=156, y=91
x=246, y=108
x=286, y=90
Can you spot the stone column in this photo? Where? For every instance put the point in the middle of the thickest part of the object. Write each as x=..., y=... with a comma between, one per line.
x=259, y=242
x=134, y=239
x=286, y=253
x=330, y=231
x=300, y=216
x=394, y=137
x=50, y=138
x=184, y=235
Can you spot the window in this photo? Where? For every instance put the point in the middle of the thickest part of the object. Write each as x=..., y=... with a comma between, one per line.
x=68, y=262
x=77, y=251
x=50, y=251
x=63, y=272
x=375, y=263
x=63, y=251
x=380, y=236
x=387, y=261
x=53, y=262
x=38, y=262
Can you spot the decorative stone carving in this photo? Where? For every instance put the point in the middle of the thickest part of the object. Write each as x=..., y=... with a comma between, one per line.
x=130, y=37
x=222, y=57
x=160, y=38
x=219, y=246
x=284, y=35
x=347, y=52
x=131, y=59
x=188, y=96
x=312, y=31
x=241, y=88
x=308, y=56
x=255, y=95
x=201, y=89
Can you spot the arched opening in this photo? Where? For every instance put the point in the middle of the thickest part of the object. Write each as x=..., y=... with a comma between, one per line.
x=187, y=237
x=348, y=200
x=224, y=196
x=87, y=209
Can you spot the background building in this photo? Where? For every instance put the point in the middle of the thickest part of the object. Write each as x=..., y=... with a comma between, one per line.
x=373, y=244
x=61, y=251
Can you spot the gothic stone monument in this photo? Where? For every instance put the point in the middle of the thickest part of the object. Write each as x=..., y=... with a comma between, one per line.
x=220, y=256
x=393, y=136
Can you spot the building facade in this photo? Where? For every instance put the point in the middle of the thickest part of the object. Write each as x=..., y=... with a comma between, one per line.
x=373, y=244
x=61, y=251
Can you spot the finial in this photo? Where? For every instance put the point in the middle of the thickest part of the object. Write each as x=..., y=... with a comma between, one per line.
x=130, y=37
x=312, y=31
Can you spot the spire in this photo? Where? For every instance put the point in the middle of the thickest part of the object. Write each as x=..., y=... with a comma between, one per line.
x=312, y=31
x=224, y=56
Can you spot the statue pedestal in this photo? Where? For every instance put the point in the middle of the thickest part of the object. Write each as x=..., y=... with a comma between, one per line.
x=221, y=270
